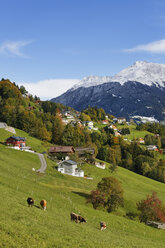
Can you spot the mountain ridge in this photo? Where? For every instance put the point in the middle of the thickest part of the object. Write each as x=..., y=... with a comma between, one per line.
x=136, y=90
x=141, y=71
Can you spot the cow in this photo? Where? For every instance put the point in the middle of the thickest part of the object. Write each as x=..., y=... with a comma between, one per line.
x=43, y=204
x=77, y=218
x=81, y=219
x=74, y=217
x=102, y=225
x=30, y=201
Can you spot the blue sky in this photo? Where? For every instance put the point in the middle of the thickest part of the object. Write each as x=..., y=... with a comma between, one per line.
x=48, y=45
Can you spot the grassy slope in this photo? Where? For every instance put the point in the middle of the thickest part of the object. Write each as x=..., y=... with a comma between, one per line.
x=134, y=134
x=21, y=226
x=35, y=144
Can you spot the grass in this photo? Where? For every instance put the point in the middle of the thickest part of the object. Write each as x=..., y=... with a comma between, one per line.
x=22, y=226
x=35, y=144
x=134, y=134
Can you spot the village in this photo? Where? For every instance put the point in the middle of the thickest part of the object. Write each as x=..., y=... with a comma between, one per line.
x=68, y=159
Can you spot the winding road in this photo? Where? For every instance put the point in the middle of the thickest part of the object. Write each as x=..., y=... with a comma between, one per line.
x=43, y=163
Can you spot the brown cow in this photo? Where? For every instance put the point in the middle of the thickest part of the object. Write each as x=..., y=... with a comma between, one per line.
x=102, y=225
x=43, y=204
x=77, y=218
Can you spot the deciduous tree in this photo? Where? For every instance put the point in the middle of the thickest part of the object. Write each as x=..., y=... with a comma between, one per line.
x=108, y=195
x=151, y=209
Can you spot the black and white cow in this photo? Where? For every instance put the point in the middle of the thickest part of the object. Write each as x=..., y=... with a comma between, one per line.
x=30, y=201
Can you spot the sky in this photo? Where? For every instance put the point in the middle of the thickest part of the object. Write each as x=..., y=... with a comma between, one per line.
x=50, y=45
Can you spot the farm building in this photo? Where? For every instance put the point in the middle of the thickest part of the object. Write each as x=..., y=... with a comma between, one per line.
x=61, y=152
x=62, y=149
x=84, y=151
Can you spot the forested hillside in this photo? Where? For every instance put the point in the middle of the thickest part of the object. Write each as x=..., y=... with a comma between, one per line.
x=46, y=121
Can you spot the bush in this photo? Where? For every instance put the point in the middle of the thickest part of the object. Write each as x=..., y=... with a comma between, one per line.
x=152, y=209
x=108, y=195
x=131, y=215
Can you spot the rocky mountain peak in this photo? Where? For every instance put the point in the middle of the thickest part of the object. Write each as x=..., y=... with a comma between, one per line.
x=141, y=71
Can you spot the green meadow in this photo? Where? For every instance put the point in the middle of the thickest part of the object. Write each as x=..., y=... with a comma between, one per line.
x=134, y=134
x=21, y=226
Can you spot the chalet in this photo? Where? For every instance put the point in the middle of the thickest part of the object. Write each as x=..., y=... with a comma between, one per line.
x=69, y=167
x=83, y=151
x=105, y=122
x=121, y=120
x=16, y=141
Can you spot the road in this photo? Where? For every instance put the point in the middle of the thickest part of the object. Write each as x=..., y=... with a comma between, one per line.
x=43, y=163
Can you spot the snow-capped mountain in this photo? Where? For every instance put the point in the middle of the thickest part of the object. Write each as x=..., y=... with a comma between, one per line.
x=141, y=71
x=136, y=90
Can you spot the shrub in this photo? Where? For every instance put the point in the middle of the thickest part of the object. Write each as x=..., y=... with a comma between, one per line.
x=152, y=209
x=131, y=215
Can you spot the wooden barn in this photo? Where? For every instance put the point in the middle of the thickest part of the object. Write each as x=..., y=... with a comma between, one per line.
x=62, y=149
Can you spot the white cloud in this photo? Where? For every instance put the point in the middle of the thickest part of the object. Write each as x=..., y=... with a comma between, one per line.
x=13, y=47
x=153, y=47
x=50, y=88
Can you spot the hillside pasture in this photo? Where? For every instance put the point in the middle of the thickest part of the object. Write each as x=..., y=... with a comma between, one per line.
x=22, y=226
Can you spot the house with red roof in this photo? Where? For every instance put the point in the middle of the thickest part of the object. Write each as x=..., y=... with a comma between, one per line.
x=16, y=141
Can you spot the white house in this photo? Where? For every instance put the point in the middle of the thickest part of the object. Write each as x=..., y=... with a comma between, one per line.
x=89, y=124
x=68, y=115
x=152, y=148
x=121, y=120
x=69, y=167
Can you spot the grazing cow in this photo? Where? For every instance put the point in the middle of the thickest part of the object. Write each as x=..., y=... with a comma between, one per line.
x=43, y=204
x=102, y=225
x=74, y=217
x=30, y=201
x=81, y=219
x=77, y=218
